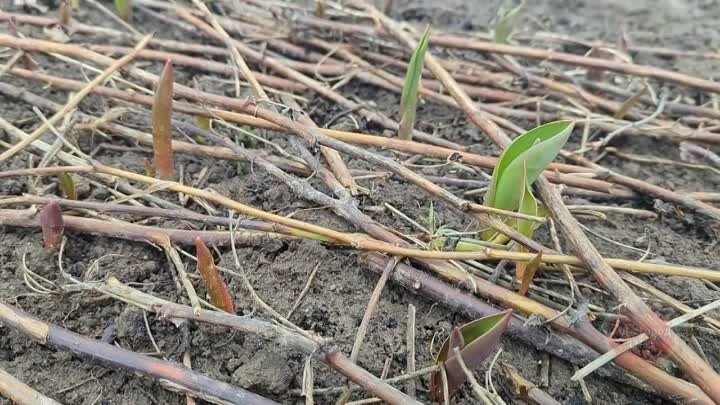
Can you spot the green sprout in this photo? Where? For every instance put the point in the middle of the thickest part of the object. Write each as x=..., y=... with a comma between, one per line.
x=68, y=186
x=124, y=9
x=511, y=184
x=409, y=98
x=523, y=161
x=475, y=341
x=504, y=24
x=510, y=189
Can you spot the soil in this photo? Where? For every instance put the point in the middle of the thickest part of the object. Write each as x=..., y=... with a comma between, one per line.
x=338, y=296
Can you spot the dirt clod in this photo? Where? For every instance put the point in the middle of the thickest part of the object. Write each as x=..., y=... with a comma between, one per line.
x=267, y=371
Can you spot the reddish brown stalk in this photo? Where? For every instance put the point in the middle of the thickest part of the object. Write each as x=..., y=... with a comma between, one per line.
x=176, y=375
x=458, y=42
x=652, y=190
x=461, y=72
x=217, y=289
x=138, y=233
x=204, y=64
x=317, y=87
x=451, y=41
x=106, y=207
x=688, y=361
x=361, y=377
x=581, y=329
x=644, y=187
x=340, y=170
x=674, y=131
x=74, y=100
x=292, y=166
x=426, y=282
x=307, y=344
x=161, y=124
x=555, y=172
x=51, y=222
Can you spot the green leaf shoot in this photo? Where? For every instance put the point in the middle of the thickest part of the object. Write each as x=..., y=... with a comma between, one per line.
x=526, y=157
x=505, y=23
x=476, y=340
x=68, y=186
x=409, y=97
x=124, y=9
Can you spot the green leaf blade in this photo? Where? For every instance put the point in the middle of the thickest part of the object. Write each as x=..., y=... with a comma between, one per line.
x=528, y=205
x=68, y=186
x=524, y=152
x=505, y=23
x=411, y=86
x=480, y=338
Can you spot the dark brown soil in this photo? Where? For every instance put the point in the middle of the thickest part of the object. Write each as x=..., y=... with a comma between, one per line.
x=339, y=294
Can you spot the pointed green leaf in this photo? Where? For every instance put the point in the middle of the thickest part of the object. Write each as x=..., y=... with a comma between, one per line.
x=481, y=337
x=68, y=186
x=533, y=150
x=505, y=22
x=528, y=205
x=124, y=9
x=409, y=97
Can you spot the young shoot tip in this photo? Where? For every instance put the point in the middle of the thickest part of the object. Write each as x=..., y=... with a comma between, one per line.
x=52, y=225
x=217, y=289
x=162, y=124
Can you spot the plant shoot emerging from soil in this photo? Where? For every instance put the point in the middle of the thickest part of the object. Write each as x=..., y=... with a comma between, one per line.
x=217, y=289
x=51, y=222
x=475, y=341
x=409, y=97
x=162, y=125
x=124, y=9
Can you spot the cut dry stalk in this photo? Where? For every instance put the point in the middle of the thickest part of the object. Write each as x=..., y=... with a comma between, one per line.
x=688, y=361
x=636, y=340
x=677, y=304
x=410, y=386
x=138, y=233
x=323, y=234
x=310, y=345
x=555, y=171
x=524, y=389
x=236, y=57
x=21, y=393
x=75, y=100
x=558, y=345
x=173, y=375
